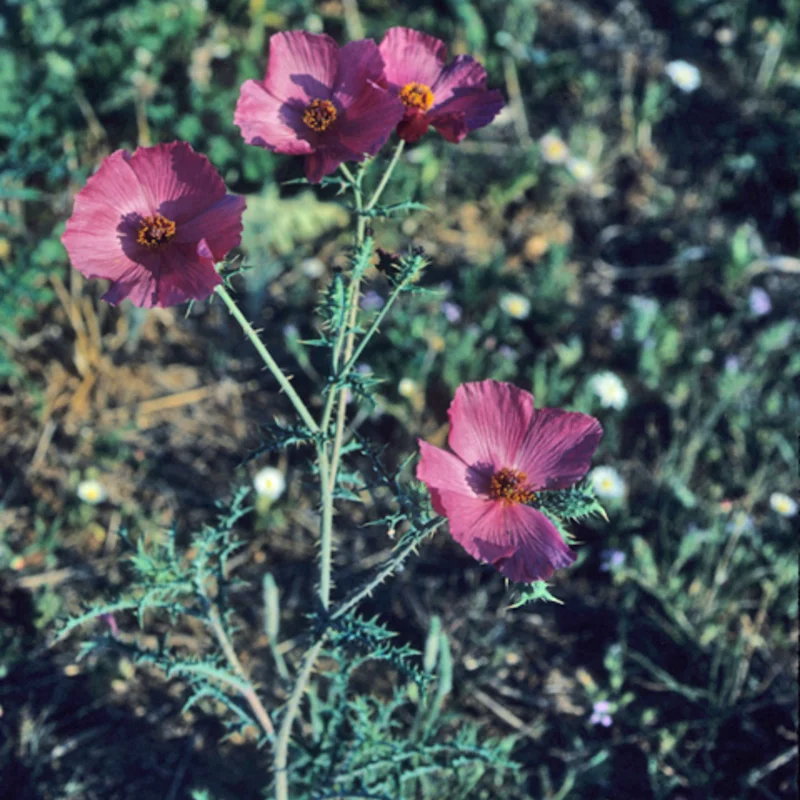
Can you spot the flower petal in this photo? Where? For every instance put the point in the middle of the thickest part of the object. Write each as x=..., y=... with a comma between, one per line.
x=139, y=284
x=114, y=191
x=524, y=545
x=412, y=57
x=440, y=470
x=268, y=122
x=184, y=276
x=359, y=62
x=557, y=448
x=178, y=182
x=413, y=127
x=220, y=226
x=301, y=66
x=462, y=73
x=471, y=517
x=326, y=160
x=488, y=421
x=369, y=121
x=465, y=111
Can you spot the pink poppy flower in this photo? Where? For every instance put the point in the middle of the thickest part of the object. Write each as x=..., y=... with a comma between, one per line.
x=453, y=97
x=319, y=101
x=154, y=223
x=504, y=452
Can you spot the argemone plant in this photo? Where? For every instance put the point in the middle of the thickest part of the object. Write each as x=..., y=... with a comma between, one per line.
x=159, y=224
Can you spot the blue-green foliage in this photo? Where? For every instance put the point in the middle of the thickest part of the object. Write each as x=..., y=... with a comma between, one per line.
x=167, y=584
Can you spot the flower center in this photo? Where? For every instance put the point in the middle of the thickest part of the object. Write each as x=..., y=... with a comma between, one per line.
x=417, y=95
x=155, y=231
x=320, y=115
x=511, y=486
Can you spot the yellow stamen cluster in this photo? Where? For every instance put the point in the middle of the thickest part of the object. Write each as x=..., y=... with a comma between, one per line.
x=417, y=95
x=511, y=486
x=155, y=231
x=320, y=115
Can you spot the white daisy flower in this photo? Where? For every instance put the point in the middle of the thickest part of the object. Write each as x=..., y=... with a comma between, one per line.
x=407, y=388
x=515, y=305
x=684, y=75
x=92, y=492
x=783, y=504
x=312, y=267
x=580, y=169
x=554, y=149
x=270, y=483
x=610, y=389
x=607, y=483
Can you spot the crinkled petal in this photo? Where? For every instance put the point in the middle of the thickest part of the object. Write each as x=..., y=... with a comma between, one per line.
x=488, y=421
x=465, y=111
x=471, y=517
x=462, y=73
x=369, y=121
x=302, y=66
x=557, y=448
x=326, y=160
x=440, y=470
x=268, y=122
x=114, y=191
x=139, y=284
x=185, y=275
x=523, y=544
x=359, y=62
x=517, y=540
x=413, y=127
x=178, y=182
x=412, y=57
x=93, y=235
x=220, y=226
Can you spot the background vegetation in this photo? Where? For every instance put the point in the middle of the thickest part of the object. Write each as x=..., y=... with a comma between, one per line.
x=681, y=613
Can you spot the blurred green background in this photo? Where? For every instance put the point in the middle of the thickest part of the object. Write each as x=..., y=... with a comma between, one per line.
x=663, y=251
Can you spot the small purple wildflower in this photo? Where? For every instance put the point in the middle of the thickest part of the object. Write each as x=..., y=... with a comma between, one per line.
x=611, y=560
x=508, y=353
x=760, y=302
x=600, y=714
x=732, y=364
x=372, y=301
x=452, y=312
x=617, y=330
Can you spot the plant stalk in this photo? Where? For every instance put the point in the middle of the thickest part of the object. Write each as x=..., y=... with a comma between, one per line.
x=247, y=690
x=276, y=371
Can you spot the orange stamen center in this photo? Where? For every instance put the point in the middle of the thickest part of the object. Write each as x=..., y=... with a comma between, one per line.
x=417, y=95
x=320, y=115
x=511, y=486
x=155, y=231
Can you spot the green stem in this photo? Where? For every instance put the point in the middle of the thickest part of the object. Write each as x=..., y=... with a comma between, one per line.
x=389, y=566
x=373, y=201
x=372, y=330
x=285, y=731
x=247, y=690
x=361, y=227
x=326, y=528
x=276, y=371
x=328, y=468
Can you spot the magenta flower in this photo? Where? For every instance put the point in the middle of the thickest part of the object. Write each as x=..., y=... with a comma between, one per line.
x=505, y=452
x=319, y=101
x=453, y=97
x=154, y=223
